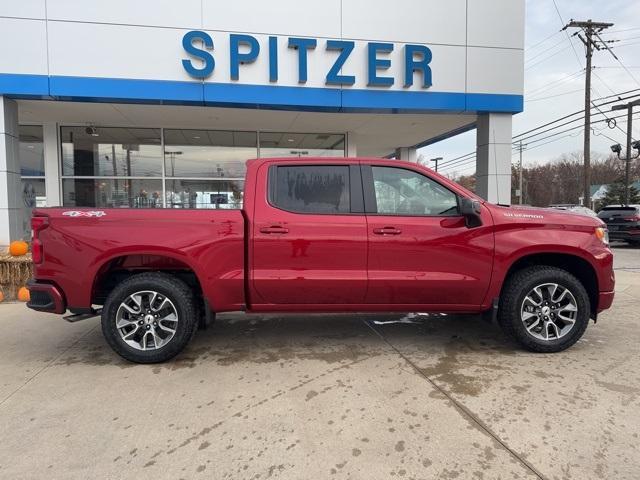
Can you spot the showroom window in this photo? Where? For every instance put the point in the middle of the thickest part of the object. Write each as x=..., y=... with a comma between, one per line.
x=205, y=168
x=111, y=167
x=301, y=145
x=31, y=155
x=171, y=168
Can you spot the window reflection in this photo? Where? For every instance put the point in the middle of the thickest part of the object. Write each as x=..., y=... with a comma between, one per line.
x=208, y=153
x=112, y=193
x=212, y=194
x=31, y=151
x=111, y=152
x=274, y=144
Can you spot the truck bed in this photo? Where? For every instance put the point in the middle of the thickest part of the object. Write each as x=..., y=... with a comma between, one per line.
x=85, y=243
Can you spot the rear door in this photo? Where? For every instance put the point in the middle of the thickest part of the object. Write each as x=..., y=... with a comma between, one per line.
x=420, y=250
x=310, y=235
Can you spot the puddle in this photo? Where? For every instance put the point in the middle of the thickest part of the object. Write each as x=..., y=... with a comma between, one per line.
x=411, y=318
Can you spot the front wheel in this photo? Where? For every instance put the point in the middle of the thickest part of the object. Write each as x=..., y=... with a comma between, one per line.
x=149, y=318
x=545, y=309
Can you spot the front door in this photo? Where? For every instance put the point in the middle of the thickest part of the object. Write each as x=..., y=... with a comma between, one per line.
x=420, y=250
x=309, y=235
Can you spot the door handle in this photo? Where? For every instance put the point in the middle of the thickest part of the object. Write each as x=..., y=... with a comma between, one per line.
x=274, y=229
x=387, y=231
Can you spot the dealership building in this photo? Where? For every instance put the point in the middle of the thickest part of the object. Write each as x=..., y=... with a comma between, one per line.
x=157, y=103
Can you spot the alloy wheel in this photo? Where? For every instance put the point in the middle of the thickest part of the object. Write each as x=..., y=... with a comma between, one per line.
x=146, y=320
x=549, y=311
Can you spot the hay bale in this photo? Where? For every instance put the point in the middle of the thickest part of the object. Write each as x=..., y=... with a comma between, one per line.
x=14, y=273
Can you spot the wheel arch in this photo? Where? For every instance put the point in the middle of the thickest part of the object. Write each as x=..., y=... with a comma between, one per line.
x=124, y=265
x=576, y=265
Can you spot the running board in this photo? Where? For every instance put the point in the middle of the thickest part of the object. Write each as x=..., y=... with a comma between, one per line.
x=82, y=316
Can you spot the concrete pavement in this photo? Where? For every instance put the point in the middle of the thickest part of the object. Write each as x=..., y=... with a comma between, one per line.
x=371, y=397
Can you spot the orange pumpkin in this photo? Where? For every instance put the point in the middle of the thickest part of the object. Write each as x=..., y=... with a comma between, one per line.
x=18, y=248
x=1, y=296
x=23, y=294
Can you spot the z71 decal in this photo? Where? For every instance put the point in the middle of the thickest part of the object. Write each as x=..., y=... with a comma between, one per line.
x=78, y=213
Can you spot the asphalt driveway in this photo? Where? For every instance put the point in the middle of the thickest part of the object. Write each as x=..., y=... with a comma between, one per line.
x=370, y=397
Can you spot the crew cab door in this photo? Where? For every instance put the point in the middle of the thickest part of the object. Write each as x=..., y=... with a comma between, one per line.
x=309, y=235
x=421, y=251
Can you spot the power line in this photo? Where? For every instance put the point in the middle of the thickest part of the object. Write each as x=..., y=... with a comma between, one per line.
x=611, y=32
x=531, y=47
x=470, y=157
x=539, y=54
x=552, y=96
x=619, y=97
x=575, y=52
x=546, y=58
x=555, y=83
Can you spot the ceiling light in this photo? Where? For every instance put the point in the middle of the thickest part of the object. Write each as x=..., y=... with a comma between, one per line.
x=290, y=140
x=195, y=137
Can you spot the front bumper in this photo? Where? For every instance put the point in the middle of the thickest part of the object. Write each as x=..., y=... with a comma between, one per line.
x=45, y=297
x=605, y=299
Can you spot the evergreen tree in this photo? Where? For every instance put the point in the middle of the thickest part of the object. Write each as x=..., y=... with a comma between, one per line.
x=615, y=194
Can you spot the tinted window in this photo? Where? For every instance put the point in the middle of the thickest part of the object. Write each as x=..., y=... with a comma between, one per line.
x=404, y=192
x=608, y=212
x=311, y=189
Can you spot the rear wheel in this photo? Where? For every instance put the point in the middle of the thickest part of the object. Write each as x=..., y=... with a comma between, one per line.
x=149, y=317
x=545, y=309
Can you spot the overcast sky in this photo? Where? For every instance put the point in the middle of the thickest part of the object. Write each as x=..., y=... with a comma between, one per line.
x=554, y=77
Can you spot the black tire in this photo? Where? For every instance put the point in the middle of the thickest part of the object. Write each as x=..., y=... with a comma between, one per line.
x=173, y=289
x=513, y=295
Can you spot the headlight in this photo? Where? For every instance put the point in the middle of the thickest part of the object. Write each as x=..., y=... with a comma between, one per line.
x=603, y=235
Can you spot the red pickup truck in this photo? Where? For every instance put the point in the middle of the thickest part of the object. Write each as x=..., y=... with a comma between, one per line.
x=323, y=235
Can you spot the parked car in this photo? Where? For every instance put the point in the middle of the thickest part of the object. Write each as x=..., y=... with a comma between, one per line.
x=623, y=222
x=571, y=207
x=323, y=235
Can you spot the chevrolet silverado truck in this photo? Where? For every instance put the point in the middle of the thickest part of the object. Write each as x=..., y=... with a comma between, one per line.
x=323, y=235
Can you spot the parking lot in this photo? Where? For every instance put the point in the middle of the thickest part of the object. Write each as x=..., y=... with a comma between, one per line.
x=390, y=396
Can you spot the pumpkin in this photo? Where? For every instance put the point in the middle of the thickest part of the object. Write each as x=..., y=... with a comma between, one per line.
x=1, y=296
x=18, y=248
x=23, y=294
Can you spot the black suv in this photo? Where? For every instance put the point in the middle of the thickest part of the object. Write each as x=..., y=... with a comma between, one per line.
x=623, y=222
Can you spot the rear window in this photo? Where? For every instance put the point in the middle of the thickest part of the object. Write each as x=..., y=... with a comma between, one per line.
x=617, y=211
x=311, y=188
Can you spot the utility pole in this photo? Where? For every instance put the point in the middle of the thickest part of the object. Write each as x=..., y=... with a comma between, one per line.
x=521, y=148
x=436, y=160
x=590, y=29
x=627, y=181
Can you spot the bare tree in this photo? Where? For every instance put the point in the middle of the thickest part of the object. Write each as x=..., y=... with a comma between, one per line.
x=560, y=180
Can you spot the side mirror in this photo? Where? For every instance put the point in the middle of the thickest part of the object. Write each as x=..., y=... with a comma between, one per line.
x=471, y=210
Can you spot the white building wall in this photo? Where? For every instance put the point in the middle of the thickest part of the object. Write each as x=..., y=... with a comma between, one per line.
x=477, y=44
x=477, y=48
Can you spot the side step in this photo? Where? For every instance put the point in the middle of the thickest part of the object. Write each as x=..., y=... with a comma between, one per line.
x=82, y=316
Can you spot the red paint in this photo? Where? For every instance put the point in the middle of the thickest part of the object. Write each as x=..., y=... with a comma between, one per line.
x=315, y=263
